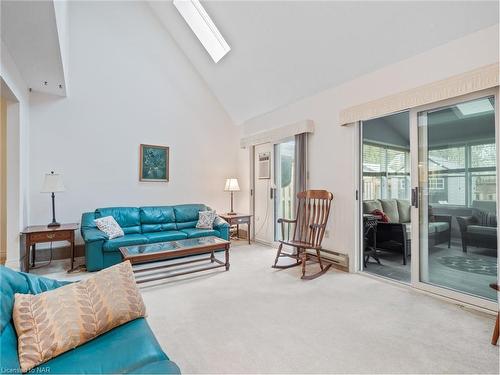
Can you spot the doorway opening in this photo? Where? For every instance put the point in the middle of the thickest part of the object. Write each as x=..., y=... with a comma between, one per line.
x=458, y=192
x=275, y=184
x=385, y=192
x=284, y=203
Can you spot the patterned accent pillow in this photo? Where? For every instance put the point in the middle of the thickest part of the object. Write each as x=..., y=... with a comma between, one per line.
x=109, y=226
x=53, y=322
x=206, y=220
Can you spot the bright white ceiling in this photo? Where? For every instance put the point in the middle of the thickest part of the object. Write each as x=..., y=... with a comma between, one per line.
x=29, y=31
x=283, y=51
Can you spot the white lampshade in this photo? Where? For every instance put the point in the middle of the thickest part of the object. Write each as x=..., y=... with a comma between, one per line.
x=53, y=183
x=232, y=185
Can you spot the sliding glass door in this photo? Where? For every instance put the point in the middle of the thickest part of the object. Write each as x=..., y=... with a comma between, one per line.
x=385, y=189
x=284, y=180
x=457, y=179
x=428, y=189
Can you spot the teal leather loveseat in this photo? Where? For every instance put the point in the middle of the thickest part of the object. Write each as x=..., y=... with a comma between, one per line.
x=130, y=348
x=143, y=225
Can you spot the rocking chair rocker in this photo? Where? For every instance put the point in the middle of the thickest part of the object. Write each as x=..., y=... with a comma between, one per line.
x=310, y=223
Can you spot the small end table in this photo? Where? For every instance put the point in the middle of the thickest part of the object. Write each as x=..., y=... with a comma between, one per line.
x=40, y=234
x=237, y=220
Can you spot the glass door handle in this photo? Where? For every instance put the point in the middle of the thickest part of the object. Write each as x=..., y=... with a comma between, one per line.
x=414, y=197
x=271, y=193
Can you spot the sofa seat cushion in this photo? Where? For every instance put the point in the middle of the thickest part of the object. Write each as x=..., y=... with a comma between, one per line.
x=482, y=230
x=187, y=224
x=196, y=232
x=161, y=367
x=127, y=240
x=438, y=227
x=9, y=358
x=170, y=235
x=111, y=353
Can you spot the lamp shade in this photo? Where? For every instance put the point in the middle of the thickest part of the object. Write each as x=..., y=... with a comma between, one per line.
x=232, y=185
x=53, y=183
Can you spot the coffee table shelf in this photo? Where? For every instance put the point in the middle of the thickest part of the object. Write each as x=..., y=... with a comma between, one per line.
x=150, y=254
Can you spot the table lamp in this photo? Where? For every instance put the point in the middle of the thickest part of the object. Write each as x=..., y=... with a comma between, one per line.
x=232, y=186
x=53, y=184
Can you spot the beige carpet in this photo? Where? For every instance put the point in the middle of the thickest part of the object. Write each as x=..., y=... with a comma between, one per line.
x=254, y=319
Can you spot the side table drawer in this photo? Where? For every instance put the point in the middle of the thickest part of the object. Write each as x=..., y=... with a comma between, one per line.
x=241, y=220
x=50, y=236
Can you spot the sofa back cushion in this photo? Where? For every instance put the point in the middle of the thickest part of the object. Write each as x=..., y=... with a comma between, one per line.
x=371, y=205
x=12, y=282
x=390, y=208
x=404, y=211
x=157, y=219
x=186, y=215
x=127, y=217
x=484, y=218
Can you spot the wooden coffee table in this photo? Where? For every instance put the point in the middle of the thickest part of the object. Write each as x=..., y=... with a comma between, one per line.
x=164, y=251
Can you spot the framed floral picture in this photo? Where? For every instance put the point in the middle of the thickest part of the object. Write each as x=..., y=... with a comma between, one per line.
x=154, y=163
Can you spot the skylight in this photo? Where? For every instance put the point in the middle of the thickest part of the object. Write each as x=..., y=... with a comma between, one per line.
x=475, y=107
x=203, y=27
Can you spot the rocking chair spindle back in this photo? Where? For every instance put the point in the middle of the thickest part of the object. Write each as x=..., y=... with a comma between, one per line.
x=313, y=209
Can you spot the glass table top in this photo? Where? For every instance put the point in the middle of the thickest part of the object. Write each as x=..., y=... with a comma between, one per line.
x=172, y=245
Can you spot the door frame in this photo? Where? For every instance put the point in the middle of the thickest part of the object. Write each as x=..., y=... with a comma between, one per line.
x=251, y=155
x=415, y=226
x=273, y=143
x=253, y=178
x=358, y=170
x=415, y=283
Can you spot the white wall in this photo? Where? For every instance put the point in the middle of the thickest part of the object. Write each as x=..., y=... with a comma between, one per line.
x=332, y=147
x=130, y=84
x=61, y=16
x=17, y=154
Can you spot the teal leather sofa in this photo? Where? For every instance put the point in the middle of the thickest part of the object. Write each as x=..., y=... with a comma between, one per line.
x=130, y=348
x=143, y=225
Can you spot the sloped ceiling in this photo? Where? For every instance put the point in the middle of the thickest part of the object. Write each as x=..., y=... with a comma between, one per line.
x=282, y=51
x=29, y=31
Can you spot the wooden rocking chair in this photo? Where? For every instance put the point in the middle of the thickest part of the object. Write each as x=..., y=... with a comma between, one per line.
x=313, y=209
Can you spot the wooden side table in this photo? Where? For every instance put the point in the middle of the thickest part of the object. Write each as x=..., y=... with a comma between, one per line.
x=40, y=234
x=237, y=220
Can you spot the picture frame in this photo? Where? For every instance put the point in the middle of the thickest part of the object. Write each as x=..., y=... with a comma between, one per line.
x=154, y=163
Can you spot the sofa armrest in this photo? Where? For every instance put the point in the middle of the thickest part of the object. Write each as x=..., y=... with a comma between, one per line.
x=464, y=222
x=93, y=234
x=39, y=284
x=220, y=223
x=222, y=226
